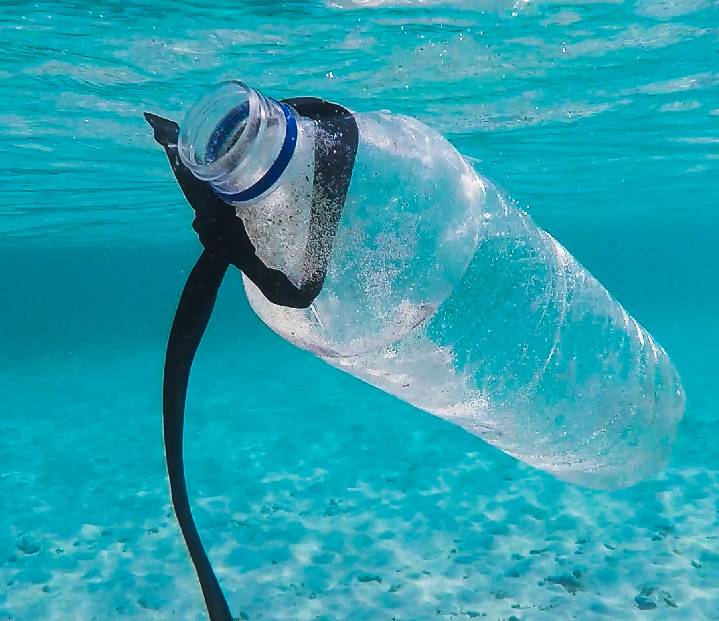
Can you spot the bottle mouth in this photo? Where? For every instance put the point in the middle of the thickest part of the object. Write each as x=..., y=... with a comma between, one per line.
x=216, y=132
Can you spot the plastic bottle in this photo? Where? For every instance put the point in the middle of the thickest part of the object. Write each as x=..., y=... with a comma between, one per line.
x=442, y=293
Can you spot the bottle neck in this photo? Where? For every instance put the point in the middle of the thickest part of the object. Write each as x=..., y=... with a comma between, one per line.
x=239, y=141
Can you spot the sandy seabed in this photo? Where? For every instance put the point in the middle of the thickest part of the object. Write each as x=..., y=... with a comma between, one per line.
x=321, y=498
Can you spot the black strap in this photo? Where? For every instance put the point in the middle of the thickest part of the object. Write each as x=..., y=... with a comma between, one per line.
x=191, y=319
x=335, y=151
x=226, y=242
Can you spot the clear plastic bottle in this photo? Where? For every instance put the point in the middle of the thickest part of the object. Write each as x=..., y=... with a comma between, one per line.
x=443, y=294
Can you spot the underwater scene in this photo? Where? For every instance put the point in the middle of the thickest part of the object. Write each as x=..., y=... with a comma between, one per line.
x=467, y=366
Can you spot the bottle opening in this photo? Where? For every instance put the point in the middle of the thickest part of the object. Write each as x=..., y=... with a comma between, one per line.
x=238, y=140
x=227, y=133
x=216, y=131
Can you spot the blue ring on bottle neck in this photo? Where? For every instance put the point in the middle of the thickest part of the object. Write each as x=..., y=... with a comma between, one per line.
x=278, y=166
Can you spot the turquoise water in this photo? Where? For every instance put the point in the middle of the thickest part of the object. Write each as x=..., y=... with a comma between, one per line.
x=319, y=497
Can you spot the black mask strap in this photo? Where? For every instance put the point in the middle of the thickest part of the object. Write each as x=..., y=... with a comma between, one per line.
x=335, y=152
x=226, y=242
x=188, y=327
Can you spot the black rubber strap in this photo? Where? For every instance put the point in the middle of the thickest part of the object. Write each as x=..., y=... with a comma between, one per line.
x=191, y=319
x=335, y=152
x=226, y=242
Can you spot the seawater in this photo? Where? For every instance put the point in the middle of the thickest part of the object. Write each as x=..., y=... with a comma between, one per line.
x=317, y=496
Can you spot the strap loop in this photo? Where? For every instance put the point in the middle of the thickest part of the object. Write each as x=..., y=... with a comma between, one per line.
x=226, y=242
